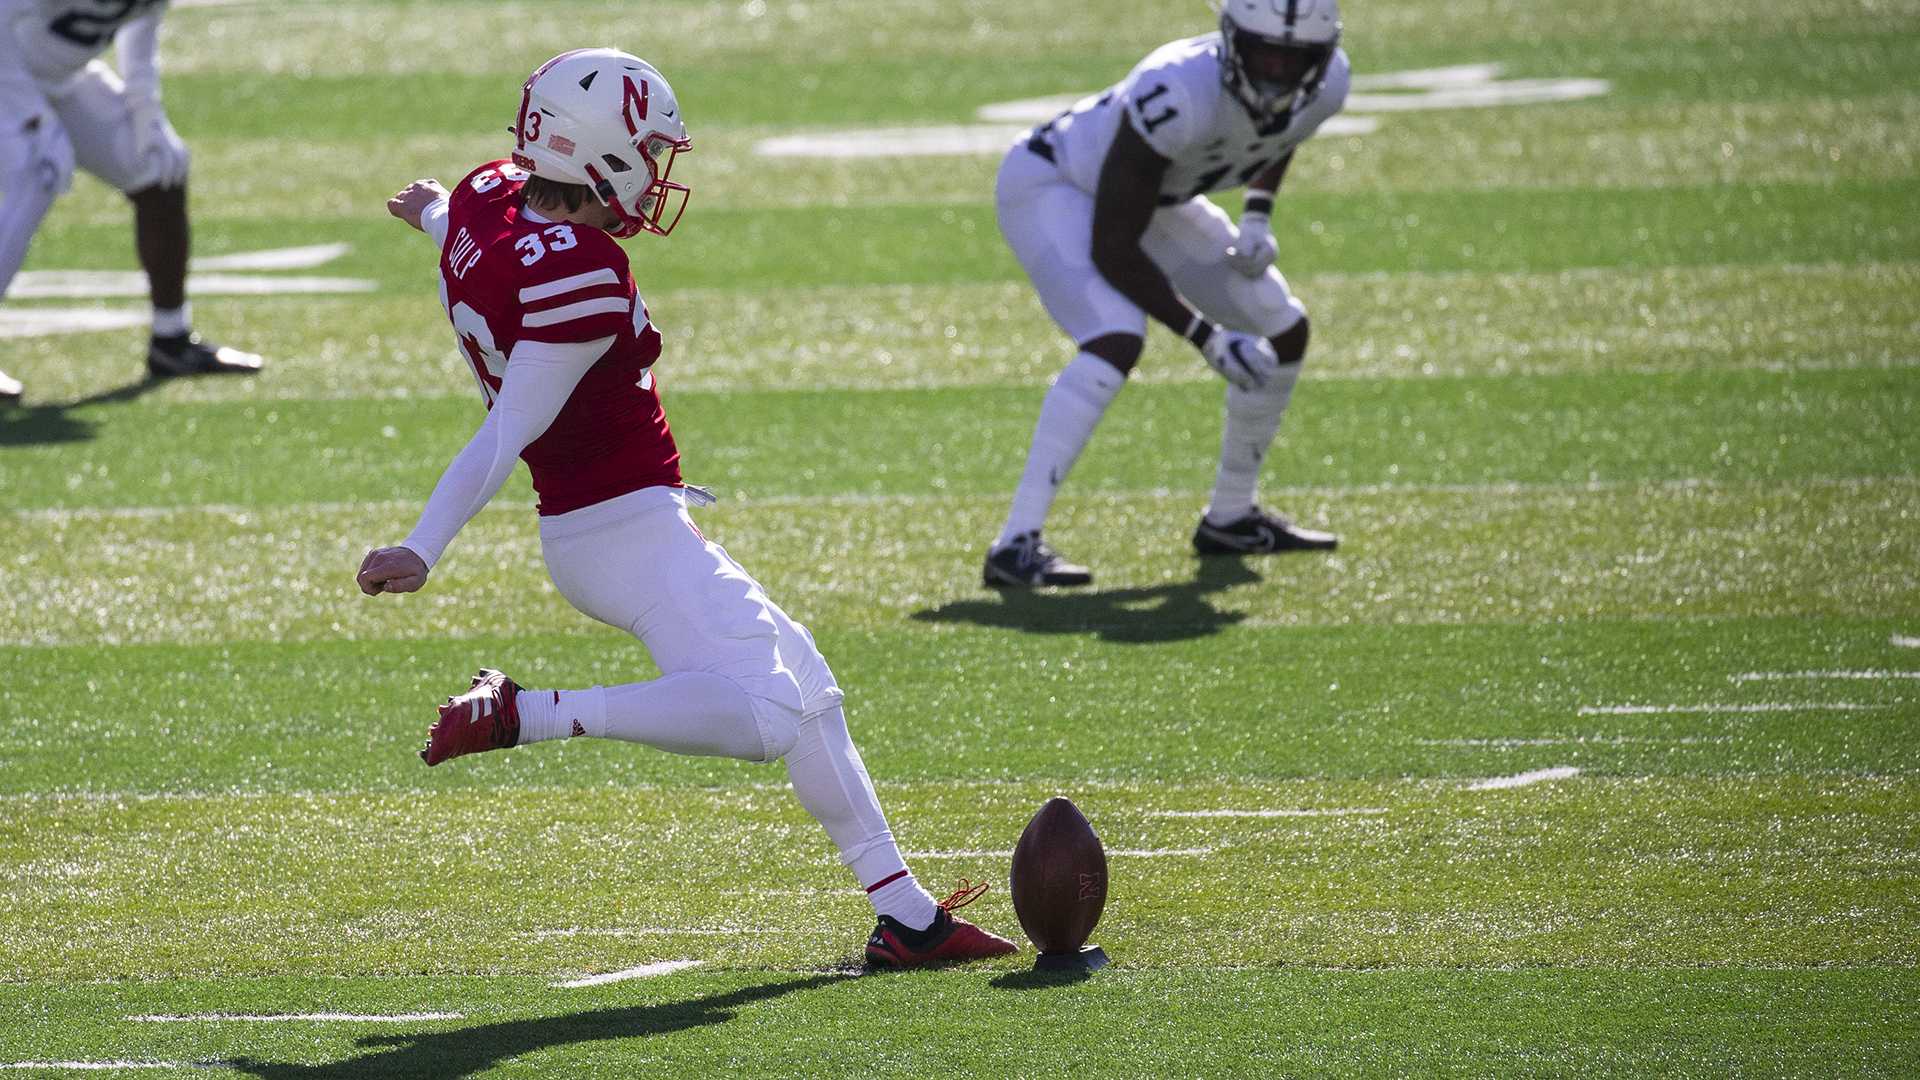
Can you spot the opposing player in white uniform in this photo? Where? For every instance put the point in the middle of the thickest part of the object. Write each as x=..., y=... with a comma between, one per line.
x=547, y=312
x=62, y=106
x=1105, y=206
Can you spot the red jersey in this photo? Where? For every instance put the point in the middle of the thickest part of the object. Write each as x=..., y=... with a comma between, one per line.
x=505, y=278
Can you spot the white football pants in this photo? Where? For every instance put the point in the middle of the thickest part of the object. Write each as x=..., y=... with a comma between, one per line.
x=45, y=131
x=1048, y=222
x=637, y=562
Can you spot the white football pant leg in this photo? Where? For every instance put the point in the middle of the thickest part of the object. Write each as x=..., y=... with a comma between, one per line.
x=1048, y=223
x=93, y=105
x=36, y=166
x=637, y=562
x=1068, y=414
x=1189, y=242
x=740, y=678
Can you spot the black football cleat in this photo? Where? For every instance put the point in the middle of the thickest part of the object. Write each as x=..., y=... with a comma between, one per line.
x=10, y=389
x=1028, y=563
x=186, y=354
x=1259, y=533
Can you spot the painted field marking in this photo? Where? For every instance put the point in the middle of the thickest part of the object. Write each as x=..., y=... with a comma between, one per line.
x=292, y=258
x=315, y=1018
x=1537, y=776
x=102, y=1066
x=1778, y=676
x=1468, y=86
x=46, y=321
x=212, y=276
x=644, y=971
x=1126, y=853
x=1650, y=710
x=1577, y=740
x=664, y=931
x=1901, y=641
x=106, y=284
x=1339, y=812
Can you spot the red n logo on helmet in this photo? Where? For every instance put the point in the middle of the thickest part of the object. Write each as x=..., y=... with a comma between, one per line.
x=633, y=104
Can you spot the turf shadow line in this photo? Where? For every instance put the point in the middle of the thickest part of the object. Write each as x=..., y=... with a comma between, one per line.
x=469, y=1050
x=36, y=425
x=1137, y=616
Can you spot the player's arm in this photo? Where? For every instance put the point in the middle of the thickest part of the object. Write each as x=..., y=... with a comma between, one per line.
x=1123, y=204
x=1254, y=248
x=136, y=46
x=540, y=378
x=423, y=205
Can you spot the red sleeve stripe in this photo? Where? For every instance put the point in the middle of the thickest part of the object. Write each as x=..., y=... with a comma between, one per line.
x=602, y=276
x=605, y=306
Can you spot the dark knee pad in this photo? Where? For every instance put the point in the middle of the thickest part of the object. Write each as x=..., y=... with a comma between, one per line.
x=1120, y=350
x=1291, y=345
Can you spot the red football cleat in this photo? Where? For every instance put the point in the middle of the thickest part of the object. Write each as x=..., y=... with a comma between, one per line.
x=487, y=717
x=950, y=940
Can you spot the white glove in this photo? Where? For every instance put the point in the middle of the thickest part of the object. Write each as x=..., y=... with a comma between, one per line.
x=160, y=147
x=1245, y=360
x=1253, y=250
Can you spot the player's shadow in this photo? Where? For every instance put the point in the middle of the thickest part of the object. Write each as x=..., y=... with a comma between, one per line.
x=40, y=425
x=469, y=1050
x=1178, y=611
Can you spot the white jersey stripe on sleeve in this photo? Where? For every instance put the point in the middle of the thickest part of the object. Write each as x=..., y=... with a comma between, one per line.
x=603, y=306
x=602, y=276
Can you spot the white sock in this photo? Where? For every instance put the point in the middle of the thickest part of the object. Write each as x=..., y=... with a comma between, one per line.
x=542, y=718
x=1253, y=419
x=172, y=322
x=1072, y=408
x=831, y=781
x=688, y=712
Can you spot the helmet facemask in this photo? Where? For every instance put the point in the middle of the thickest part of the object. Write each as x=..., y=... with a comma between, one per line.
x=1272, y=76
x=657, y=207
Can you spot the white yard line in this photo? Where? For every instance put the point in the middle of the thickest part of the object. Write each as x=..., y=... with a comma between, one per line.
x=644, y=971
x=1650, y=710
x=1537, y=776
x=1874, y=674
x=249, y=513
x=1124, y=853
x=315, y=1018
x=1901, y=641
x=1576, y=740
x=664, y=931
x=103, y=1066
x=1339, y=812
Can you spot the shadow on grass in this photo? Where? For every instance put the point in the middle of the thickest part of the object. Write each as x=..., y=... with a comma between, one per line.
x=1175, y=612
x=41, y=425
x=468, y=1050
x=1038, y=980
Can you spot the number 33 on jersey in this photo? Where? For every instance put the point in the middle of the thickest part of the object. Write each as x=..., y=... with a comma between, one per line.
x=508, y=275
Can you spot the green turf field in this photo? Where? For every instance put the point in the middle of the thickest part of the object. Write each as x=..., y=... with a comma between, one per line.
x=1614, y=401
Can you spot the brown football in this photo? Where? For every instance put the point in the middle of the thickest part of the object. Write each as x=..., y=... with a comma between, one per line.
x=1059, y=878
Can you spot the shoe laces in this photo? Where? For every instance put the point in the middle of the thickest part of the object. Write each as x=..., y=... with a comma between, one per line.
x=966, y=894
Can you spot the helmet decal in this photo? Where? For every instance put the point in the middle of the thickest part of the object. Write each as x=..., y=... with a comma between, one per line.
x=633, y=105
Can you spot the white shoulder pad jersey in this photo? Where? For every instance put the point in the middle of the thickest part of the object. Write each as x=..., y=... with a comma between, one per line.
x=1176, y=101
x=58, y=37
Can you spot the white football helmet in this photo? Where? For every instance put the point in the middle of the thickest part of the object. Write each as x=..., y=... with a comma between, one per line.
x=608, y=120
x=1276, y=53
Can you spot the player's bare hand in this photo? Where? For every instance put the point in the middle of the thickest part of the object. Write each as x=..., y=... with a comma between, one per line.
x=411, y=201
x=391, y=569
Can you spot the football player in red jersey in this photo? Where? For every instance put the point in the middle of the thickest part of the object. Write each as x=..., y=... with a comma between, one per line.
x=548, y=315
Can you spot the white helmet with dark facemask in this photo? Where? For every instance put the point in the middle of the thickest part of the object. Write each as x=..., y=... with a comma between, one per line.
x=609, y=121
x=1276, y=52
